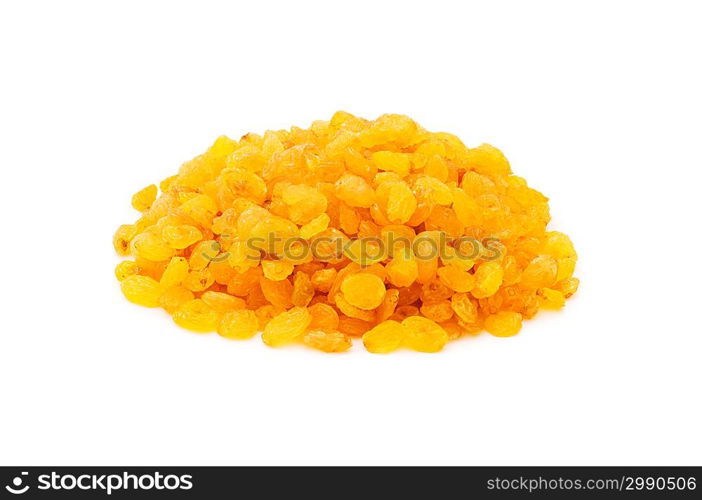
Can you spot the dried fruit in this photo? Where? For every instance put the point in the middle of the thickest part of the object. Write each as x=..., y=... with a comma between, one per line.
x=126, y=268
x=286, y=326
x=315, y=226
x=239, y=324
x=182, y=236
x=504, y=323
x=551, y=299
x=174, y=297
x=540, y=272
x=423, y=334
x=464, y=308
x=437, y=311
x=327, y=341
x=197, y=316
x=324, y=317
x=151, y=247
x=488, y=278
x=277, y=270
x=122, y=238
x=457, y=279
x=222, y=302
x=278, y=293
x=303, y=289
x=176, y=271
x=143, y=199
x=385, y=337
x=352, y=228
x=142, y=290
x=355, y=191
x=402, y=270
x=363, y=290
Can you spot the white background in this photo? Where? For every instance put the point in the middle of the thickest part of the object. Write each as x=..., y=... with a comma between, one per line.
x=596, y=104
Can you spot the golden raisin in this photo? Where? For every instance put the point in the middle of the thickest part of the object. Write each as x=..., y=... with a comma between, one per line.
x=437, y=311
x=142, y=290
x=197, y=316
x=349, y=228
x=143, y=199
x=551, y=299
x=385, y=337
x=488, y=278
x=175, y=272
x=222, y=302
x=363, y=290
x=423, y=334
x=303, y=289
x=327, y=341
x=238, y=324
x=324, y=317
x=126, y=268
x=286, y=326
x=504, y=323
x=180, y=237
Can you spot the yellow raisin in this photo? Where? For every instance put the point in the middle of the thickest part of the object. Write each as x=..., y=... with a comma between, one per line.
x=568, y=286
x=122, y=238
x=350, y=310
x=197, y=316
x=315, y=226
x=126, y=268
x=143, y=199
x=182, y=236
x=277, y=270
x=286, y=326
x=504, y=323
x=175, y=296
x=393, y=162
x=278, y=293
x=323, y=279
x=402, y=270
x=142, y=290
x=324, y=317
x=551, y=299
x=351, y=227
x=488, y=278
x=387, y=307
x=457, y=279
x=423, y=334
x=363, y=290
x=355, y=191
x=385, y=337
x=464, y=308
x=327, y=341
x=303, y=289
x=437, y=311
x=353, y=326
x=151, y=247
x=175, y=272
x=238, y=324
x=542, y=271
x=222, y=302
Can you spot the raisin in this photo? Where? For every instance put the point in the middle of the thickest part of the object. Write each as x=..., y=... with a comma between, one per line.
x=327, y=341
x=423, y=334
x=349, y=228
x=504, y=323
x=238, y=324
x=363, y=290
x=197, y=316
x=385, y=337
x=286, y=326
